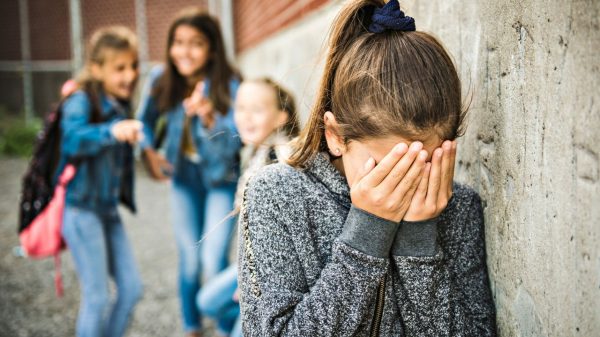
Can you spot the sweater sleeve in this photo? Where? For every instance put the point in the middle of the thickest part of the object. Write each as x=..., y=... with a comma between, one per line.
x=80, y=137
x=445, y=292
x=276, y=299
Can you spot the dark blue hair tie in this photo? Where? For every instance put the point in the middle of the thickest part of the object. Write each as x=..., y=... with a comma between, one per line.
x=390, y=17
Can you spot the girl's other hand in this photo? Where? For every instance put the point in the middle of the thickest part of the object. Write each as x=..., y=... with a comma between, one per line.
x=128, y=130
x=386, y=190
x=435, y=188
x=198, y=105
x=236, y=295
x=157, y=165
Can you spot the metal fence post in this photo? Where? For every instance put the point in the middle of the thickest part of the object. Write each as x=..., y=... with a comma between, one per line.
x=76, y=35
x=142, y=33
x=26, y=61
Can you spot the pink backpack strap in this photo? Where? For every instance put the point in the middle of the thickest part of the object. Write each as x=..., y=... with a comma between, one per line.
x=58, y=284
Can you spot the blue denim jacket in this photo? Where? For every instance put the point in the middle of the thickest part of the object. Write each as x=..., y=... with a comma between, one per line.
x=105, y=170
x=218, y=147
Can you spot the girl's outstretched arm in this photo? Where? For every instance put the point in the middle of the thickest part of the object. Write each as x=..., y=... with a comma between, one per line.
x=80, y=137
x=441, y=284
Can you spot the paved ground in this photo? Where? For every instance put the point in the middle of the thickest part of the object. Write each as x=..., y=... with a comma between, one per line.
x=28, y=306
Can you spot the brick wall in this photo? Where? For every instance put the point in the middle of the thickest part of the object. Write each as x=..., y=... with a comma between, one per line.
x=96, y=14
x=160, y=14
x=49, y=30
x=50, y=40
x=10, y=37
x=254, y=20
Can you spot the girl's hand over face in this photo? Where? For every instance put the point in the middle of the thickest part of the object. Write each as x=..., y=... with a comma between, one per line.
x=386, y=190
x=198, y=105
x=435, y=188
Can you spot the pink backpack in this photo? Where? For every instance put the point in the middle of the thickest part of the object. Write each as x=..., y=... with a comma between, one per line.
x=43, y=236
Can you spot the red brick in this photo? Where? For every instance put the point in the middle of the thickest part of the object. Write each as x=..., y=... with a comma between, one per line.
x=96, y=14
x=49, y=30
x=10, y=36
x=160, y=14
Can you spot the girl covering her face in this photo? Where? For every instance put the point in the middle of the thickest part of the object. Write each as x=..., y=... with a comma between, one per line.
x=363, y=232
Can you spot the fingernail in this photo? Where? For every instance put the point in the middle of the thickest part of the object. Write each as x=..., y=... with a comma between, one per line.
x=423, y=155
x=400, y=148
x=369, y=163
x=447, y=145
x=416, y=146
x=438, y=152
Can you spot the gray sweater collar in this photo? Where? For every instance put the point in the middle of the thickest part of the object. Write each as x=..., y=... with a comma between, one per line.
x=323, y=170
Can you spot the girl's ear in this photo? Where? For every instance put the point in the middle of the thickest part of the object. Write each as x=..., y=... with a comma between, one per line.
x=96, y=71
x=335, y=143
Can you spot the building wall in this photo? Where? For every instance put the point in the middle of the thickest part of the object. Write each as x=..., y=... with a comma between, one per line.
x=294, y=55
x=96, y=14
x=50, y=36
x=160, y=13
x=257, y=19
x=531, y=148
x=10, y=32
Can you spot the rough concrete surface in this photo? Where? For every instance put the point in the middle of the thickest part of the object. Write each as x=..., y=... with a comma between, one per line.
x=531, y=148
x=28, y=306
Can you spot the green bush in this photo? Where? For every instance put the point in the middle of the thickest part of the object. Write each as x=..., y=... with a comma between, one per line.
x=17, y=138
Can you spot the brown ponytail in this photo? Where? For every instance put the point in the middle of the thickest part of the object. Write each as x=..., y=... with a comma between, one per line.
x=378, y=84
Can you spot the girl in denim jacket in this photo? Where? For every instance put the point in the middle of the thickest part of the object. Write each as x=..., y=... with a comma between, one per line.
x=97, y=135
x=194, y=92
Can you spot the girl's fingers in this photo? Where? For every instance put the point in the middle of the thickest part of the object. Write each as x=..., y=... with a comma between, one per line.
x=452, y=166
x=421, y=191
x=434, y=177
x=187, y=105
x=199, y=89
x=446, y=169
x=164, y=163
x=367, y=167
x=399, y=170
x=411, y=180
x=385, y=165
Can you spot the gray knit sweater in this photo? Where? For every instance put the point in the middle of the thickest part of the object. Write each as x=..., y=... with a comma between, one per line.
x=313, y=265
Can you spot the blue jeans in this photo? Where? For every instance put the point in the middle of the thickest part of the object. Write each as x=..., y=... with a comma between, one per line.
x=100, y=249
x=203, y=232
x=216, y=301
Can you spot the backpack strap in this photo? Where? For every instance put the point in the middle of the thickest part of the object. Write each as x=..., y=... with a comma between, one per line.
x=58, y=284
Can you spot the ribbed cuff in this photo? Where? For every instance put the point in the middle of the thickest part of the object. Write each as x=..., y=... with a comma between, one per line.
x=368, y=233
x=416, y=238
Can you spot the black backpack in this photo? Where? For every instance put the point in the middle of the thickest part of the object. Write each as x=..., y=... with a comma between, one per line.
x=38, y=184
x=39, y=180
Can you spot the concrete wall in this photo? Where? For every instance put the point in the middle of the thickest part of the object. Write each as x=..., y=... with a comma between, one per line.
x=531, y=149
